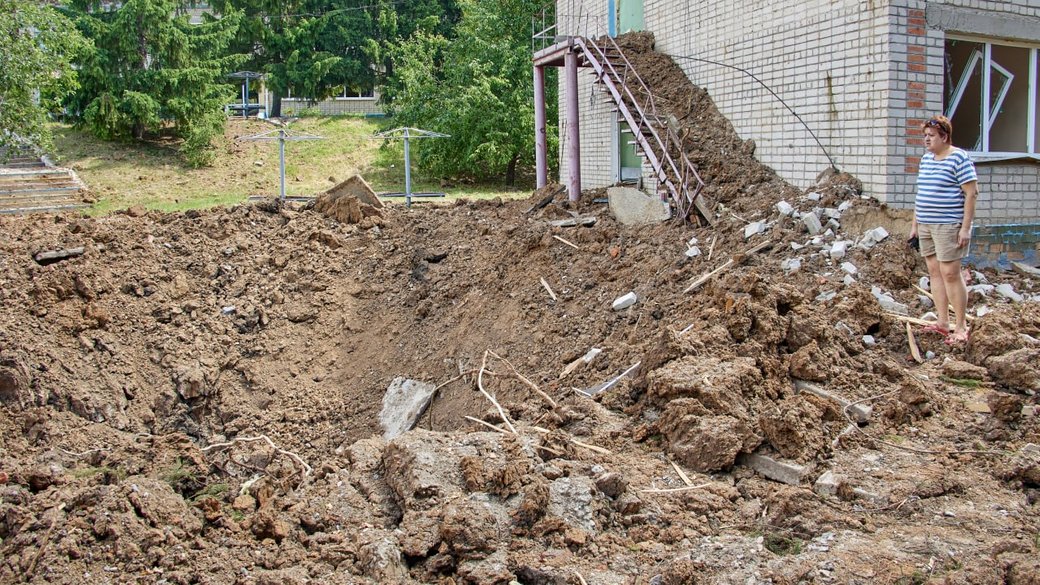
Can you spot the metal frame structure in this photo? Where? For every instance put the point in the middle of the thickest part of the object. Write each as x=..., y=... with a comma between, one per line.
x=282, y=135
x=407, y=134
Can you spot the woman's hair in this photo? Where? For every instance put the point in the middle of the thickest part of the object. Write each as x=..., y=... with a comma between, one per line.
x=942, y=125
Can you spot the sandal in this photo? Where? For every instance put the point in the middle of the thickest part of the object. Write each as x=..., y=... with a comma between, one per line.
x=936, y=328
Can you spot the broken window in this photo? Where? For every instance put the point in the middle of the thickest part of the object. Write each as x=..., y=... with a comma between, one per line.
x=991, y=96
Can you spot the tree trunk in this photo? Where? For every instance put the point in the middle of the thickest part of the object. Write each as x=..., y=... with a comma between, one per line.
x=276, y=104
x=511, y=170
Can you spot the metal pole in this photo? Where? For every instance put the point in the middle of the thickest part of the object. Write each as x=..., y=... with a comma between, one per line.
x=281, y=163
x=407, y=172
x=245, y=96
x=540, y=154
x=570, y=61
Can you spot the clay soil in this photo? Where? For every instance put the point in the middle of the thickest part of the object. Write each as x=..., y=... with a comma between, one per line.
x=195, y=398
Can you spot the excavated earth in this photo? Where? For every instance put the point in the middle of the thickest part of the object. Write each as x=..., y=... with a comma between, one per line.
x=195, y=397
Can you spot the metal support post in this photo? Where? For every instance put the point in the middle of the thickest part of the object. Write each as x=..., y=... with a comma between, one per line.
x=570, y=62
x=540, y=147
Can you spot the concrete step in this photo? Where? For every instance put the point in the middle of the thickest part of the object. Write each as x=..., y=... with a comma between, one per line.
x=42, y=208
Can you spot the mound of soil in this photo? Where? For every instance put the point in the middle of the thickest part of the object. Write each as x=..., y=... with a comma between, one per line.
x=195, y=397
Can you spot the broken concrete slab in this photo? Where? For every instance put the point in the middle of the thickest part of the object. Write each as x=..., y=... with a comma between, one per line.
x=574, y=222
x=859, y=412
x=784, y=208
x=633, y=207
x=403, y=403
x=1025, y=269
x=754, y=228
x=782, y=471
x=827, y=484
x=1008, y=292
x=356, y=186
x=838, y=250
x=52, y=256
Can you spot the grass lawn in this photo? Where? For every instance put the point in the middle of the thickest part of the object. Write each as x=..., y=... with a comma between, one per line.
x=153, y=175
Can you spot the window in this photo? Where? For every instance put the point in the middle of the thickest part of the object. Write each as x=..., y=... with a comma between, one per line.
x=351, y=93
x=991, y=96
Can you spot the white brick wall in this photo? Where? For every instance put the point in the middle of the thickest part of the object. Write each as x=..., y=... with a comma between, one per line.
x=863, y=74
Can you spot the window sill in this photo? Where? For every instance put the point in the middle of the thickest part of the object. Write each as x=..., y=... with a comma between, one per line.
x=992, y=157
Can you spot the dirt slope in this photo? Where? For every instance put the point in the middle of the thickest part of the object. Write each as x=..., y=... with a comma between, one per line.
x=194, y=399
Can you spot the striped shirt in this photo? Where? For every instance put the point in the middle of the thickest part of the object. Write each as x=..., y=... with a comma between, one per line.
x=939, y=195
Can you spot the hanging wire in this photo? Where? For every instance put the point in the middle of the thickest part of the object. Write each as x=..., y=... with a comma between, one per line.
x=770, y=90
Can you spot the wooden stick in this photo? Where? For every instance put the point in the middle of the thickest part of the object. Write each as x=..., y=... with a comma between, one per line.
x=909, y=319
x=548, y=399
x=486, y=424
x=737, y=259
x=950, y=308
x=580, y=578
x=574, y=441
x=549, y=290
x=306, y=468
x=682, y=475
x=914, y=350
x=575, y=246
x=674, y=490
x=711, y=247
x=480, y=385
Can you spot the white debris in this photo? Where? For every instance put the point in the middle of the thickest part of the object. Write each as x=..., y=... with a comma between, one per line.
x=693, y=251
x=790, y=265
x=830, y=231
x=812, y=223
x=848, y=280
x=849, y=268
x=924, y=283
x=925, y=301
x=826, y=295
x=833, y=224
x=929, y=316
x=845, y=205
x=796, y=246
x=889, y=303
x=838, y=249
x=813, y=196
x=982, y=289
x=784, y=208
x=869, y=341
x=832, y=213
x=753, y=228
x=1005, y=290
x=817, y=241
x=978, y=277
x=624, y=302
x=872, y=237
x=982, y=310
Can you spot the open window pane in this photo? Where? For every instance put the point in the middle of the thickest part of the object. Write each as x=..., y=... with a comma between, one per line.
x=1009, y=99
x=963, y=95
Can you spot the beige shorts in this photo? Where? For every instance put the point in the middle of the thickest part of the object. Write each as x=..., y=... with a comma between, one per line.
x=940, y=240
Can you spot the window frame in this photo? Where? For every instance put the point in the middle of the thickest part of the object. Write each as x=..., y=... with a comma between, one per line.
x=1032, y=147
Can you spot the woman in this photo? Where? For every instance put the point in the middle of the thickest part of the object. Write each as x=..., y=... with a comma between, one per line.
x=947, y=188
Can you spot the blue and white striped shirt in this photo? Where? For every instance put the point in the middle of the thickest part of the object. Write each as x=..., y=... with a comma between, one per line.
x=939, y=195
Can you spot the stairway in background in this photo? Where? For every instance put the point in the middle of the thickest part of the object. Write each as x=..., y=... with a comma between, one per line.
x=30, y=184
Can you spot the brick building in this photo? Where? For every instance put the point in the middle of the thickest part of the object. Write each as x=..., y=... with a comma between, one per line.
x=863, y=74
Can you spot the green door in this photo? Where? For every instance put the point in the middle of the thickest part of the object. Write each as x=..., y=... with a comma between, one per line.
x=630, y=16
x=628, y=155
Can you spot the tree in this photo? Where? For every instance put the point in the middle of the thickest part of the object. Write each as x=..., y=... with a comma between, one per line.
x=37, y=47
x=314, y=48
x=477, y=87
x=151, y=70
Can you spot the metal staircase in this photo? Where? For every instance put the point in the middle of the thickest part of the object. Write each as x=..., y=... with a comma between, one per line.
x=657, y=141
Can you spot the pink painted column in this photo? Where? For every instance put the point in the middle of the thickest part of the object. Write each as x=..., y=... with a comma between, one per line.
x=570, y=62
x=540, y=145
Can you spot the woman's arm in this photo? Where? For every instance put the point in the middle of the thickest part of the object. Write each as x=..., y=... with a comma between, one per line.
x=971, y=193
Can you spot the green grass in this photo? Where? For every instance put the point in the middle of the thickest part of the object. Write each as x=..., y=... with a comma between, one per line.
x=154, y=175
x=782, y=545
x=963, y=382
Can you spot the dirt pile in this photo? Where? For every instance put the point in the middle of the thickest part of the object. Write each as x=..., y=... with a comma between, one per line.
x=195, y=399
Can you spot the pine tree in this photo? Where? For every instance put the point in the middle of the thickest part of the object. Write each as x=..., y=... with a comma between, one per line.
x=151, y=71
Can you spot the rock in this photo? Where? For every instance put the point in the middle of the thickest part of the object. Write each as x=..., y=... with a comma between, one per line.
x=784, y=472
x=633, y=207
x=403, y=403
x=790, y=265
x=849, y=268
x=704, y=443
x=838, y=249
x=571, y=498
x=1019, y=369
x=624, y=301
x=754, y=228
x=784, y=208
x=812, y=223
x=611, y=484
x=827, y=484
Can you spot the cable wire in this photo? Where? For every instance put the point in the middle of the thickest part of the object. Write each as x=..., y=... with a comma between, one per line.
x=773, y=93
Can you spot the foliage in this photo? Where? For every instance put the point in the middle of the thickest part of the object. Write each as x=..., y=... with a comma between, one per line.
x=477, y=87
x=37, y=48
x=782, y=545
x=152, y=71
x=315, y=48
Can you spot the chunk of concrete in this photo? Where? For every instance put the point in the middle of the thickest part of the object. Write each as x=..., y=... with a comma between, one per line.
x=849, y=268
x=784, y=472
x=754, y=228
x=1005, y=290
x=790, y=265
x=812, y=223
x=625, y=301
x=633, y=207
x=784, y=208
x=838, y=249
x=827, y=484
x=403, y=403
